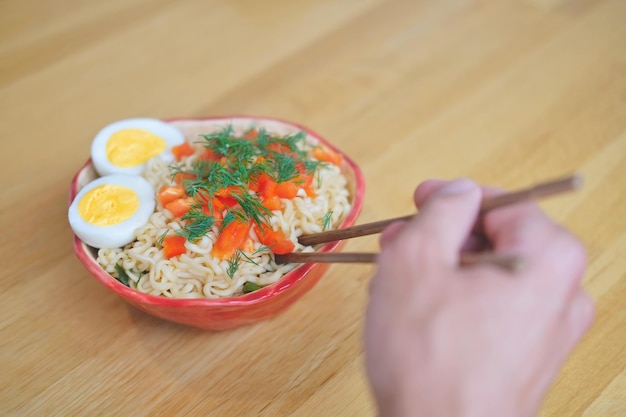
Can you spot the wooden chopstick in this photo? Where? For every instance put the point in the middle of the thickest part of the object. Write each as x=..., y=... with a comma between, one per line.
x=511, y=263
x=326, y=257
x=537, y=191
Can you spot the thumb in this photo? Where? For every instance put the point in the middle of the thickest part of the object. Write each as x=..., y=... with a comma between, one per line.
x=444, y=222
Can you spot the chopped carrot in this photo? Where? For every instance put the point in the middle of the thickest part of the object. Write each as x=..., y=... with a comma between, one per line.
x=266, y=183
x=305, y=180
x=218, y=216
x=173, y=246
x=180, y=206
x=267, y=193
x=271, y=203
x=286, y=189
x=169, y=193
x=229, y=191
x=203, y=196
x=209, y=155
x=182, y=150
x=229, y=201
x=181, y=176
x=231, y=238
x=257, y=183
x=278, y=148
x=274, y=239
x=267, y=186
x=251, y=134
x=247, y=245
x=282, y=247
x=215, y=202
x=218, y=206
x=324, y=154
x=214, y=208
x=227, y=195
x=307, y=185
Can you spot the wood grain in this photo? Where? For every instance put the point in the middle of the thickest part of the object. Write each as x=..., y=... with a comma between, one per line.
x=507, y=93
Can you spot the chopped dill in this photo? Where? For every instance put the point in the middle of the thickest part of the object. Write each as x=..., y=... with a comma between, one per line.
x=311, y=165
x=236, y=164
x=217, y=141
x=251, y=207
x=175, y=170
x=198, y=224
x=248, y=258
x=122, y=275
x=295, y=141
x=219, y=176
x=285, y=168
x=243, y=171
x=241, y=256
x=196, y=187
x=318, y=177
x=162, y=237
x=224, y=143
x=228, y=219
x=327, y=220
x=233, y=264
x=263, y=139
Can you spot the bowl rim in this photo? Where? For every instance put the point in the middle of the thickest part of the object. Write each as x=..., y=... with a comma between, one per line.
x=286, y=282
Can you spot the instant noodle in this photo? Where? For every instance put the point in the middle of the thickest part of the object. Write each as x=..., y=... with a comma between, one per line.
x=234, y=197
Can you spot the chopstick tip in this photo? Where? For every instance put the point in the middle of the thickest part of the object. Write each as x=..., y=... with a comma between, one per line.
x=577, y=181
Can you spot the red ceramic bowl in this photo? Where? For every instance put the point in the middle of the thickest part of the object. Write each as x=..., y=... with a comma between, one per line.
x=225, y=313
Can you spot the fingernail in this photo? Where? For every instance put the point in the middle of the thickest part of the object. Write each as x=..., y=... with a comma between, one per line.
x=459, y=186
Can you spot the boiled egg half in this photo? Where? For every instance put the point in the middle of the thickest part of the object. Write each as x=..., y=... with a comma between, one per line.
x=124, y=147
x=107, y=211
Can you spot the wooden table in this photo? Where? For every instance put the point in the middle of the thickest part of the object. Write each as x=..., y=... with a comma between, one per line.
x=507, y=93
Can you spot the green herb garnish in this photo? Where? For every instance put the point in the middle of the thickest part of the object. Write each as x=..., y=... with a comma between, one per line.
x=122, y=276
x=233, y=264
x=162, y=237
x=285, y=168
x=229, y=173
x=327, y=220
x=198, y=224
x=249, y=287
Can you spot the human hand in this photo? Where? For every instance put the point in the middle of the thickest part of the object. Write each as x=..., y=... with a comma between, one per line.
x=443, y=340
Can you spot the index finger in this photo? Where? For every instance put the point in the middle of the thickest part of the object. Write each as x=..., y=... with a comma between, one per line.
x=427, y=188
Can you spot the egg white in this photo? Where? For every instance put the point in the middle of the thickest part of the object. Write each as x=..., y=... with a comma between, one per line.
x=120, y=234
x=171, y=135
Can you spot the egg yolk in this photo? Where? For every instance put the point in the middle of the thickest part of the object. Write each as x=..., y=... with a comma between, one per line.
x=127, y=148
x=108, y=204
